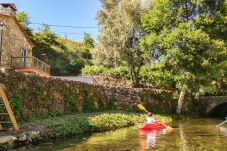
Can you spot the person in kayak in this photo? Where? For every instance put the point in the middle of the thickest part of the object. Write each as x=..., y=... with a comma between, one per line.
x=150, y=118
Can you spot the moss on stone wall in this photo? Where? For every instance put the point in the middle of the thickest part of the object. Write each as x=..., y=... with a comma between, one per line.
x=51, y=95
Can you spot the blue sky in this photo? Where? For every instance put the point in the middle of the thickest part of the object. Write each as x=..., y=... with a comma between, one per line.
x=79, y=13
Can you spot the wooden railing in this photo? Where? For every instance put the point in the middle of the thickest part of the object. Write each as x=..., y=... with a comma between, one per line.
x=29, y=62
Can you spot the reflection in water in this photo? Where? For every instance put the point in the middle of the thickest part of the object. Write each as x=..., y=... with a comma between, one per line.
x=190, y=135
x=147, y=138
x=184, y=142
x=223, y=131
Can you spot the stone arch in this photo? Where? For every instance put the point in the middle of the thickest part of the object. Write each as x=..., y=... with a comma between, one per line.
x=217, y=109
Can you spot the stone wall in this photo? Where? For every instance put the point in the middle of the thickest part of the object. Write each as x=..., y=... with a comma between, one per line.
x=13, y=40
x=210, y=104
x=40, y=94
x=112, y=82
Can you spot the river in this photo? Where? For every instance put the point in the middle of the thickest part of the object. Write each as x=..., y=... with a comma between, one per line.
x=189, y=135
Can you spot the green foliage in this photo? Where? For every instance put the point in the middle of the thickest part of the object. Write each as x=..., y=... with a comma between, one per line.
x=77, y=126
x=97, y=123
x=88, y=105
x=93, y=123
x=110, y=103
x=105, y=122
x=75, y=67
x=120, y=32
x=15, y=100
x=24, y=21
x=119, y=72
x=66, y=57
x=4, y=147
x=188, y=38
x=70, y=104
x=88, y=42
x=155, y=77
x=16, y=106
x=39, y=116
x=194, y=107
x=93, y=70
x=102, y=106
x=87, y=123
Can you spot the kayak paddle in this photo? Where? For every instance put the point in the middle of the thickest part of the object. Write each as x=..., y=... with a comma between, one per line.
x=140, y=106
x=222, y=122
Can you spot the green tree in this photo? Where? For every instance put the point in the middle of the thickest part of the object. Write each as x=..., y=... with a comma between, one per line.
x=66, y=57
x=120, y=32
x=186, y=47
x=88, y=41
x=24, y=21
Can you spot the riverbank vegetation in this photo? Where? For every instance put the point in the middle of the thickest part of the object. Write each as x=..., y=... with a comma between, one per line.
x=53, y=127
x=92, y=123
x=68, y=125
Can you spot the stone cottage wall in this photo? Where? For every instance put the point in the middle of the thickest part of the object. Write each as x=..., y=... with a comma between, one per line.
x=13, y=41
x=39, y=94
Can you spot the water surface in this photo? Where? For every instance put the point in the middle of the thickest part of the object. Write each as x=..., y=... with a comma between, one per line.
x=190, y=135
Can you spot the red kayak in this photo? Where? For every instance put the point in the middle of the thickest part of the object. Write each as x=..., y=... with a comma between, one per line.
x=152, y=126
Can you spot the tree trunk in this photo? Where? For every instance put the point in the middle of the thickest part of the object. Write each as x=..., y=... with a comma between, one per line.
x=135, y=76
x=180, y=101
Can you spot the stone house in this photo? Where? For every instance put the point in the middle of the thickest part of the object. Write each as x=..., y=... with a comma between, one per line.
x=15, y=44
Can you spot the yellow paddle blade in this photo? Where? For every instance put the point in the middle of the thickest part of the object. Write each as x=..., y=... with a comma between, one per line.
x=169, y=128
x=140, y=106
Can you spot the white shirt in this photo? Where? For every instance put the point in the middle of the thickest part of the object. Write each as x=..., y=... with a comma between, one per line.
x=150, y=119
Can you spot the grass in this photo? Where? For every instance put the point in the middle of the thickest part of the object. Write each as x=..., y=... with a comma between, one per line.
x=69, y=125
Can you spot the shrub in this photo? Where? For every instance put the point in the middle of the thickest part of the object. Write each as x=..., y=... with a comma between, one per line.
x=70, y=104
x=111, y=121
x=155, y=77
x=119, y=72
x=89, y=105
x=86, y=123
x=77, y=126
x=75, y=67
x=16, y=105
x=93, y=70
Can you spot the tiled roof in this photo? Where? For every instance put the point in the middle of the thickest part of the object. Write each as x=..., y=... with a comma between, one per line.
x=12, y=5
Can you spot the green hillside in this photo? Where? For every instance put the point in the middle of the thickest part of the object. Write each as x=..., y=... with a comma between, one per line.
x=66, y=57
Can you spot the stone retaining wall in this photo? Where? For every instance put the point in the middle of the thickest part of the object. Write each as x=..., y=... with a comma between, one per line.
x=40, y=94
x=112, y=82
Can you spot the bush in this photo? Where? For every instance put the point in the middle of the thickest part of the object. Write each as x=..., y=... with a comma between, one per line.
x=155, y=77
x=77, y=126
x=87, y=123
x=93, y=70
x=75, y=67
x=93, y=123
x=89, y=105
x=111, y=121
x=16, y=106
x=119, y=72
x=70, y=104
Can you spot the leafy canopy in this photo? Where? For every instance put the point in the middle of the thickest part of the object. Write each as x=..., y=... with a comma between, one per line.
x=182, y=33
